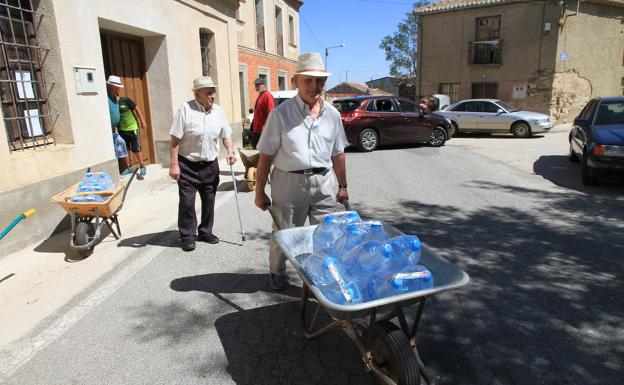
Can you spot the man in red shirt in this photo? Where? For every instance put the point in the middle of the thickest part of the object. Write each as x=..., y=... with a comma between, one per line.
x=264, y=105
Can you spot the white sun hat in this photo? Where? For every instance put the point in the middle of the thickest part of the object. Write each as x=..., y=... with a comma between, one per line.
x=114, y=81
x=203, y=82
x=311, y=64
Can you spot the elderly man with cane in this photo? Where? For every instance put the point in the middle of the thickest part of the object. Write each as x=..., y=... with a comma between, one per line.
x=196, y=128
x=304, y=140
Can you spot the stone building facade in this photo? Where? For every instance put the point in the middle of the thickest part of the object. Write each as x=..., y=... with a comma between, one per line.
x=544, y=55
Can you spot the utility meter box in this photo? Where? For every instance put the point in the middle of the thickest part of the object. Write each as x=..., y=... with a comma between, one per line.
x=85, y=80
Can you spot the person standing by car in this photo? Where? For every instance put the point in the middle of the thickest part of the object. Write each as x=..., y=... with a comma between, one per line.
x=304, y=140
x=264, y=105
x=194, y=165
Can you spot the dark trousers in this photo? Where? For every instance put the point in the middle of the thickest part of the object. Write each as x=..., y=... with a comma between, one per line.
x=255, y=138
x=202, y=178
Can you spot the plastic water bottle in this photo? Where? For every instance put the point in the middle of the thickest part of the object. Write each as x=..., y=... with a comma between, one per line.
x=89, y=178
x=375, y=231
x=88, y=198
x=341, y=289
x=409, y=247
x=352, y=236
x=105, y=181
x=369, y=258
x=326, y=233
x=409, y=279
x=313, y=266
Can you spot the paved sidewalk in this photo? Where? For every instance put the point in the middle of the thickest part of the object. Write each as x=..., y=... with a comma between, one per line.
x=48, y=274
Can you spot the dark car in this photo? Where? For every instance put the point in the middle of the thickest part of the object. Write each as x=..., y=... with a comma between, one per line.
x=597, y=138
x=370, y=121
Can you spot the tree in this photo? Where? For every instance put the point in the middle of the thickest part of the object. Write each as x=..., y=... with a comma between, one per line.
x=402, y=46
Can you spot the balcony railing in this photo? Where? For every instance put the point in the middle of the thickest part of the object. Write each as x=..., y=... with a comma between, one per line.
x=485, y=52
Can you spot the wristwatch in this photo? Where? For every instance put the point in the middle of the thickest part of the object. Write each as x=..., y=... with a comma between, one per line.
x=342, y=186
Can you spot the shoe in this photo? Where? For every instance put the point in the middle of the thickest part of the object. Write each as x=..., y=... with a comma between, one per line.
x=209, y=238
x=128, y=171
x=278, y=282
x=188, y=244
x=142, y=171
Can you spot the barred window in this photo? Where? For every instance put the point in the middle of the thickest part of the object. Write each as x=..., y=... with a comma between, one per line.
x=450, y=89
x=23, y=91
x=205, y=40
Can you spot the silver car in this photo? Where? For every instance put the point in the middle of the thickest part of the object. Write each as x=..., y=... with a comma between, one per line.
x=492, y=115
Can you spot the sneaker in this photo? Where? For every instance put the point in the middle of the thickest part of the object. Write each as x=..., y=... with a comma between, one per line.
x=142, y=171
x=278, y=282
x=209, y=238
x=188, y=244
x=128, y=171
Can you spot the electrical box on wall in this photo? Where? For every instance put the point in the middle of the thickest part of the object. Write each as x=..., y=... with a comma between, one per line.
x=85, y=80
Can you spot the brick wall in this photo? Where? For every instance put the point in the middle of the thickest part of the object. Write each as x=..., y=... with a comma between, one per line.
x=274, y=64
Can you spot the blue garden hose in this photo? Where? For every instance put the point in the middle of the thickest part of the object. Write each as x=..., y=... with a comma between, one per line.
x=15, y=222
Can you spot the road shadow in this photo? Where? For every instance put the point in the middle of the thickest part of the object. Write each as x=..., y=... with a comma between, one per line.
x=544, y=303
x=168, y=238
x=562, y=172
x=498, y=136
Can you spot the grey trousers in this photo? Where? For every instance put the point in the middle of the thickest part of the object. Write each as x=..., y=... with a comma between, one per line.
x=296, y=197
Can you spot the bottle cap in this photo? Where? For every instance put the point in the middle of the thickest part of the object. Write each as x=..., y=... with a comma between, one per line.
x=415, y=244
x=386, y=249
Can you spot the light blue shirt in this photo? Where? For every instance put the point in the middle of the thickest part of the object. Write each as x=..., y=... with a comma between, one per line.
x=299, y=142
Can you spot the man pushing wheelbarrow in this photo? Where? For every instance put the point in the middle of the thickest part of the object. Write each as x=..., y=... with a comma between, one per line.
x=309, y=175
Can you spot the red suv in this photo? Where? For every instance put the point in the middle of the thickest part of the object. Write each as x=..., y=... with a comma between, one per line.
x=373, y=120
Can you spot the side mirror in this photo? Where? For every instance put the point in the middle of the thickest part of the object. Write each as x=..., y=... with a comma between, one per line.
x=500, y=111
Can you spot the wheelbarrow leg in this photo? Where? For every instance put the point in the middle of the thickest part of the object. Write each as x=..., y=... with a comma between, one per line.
x=108, y=221
x=308, y=332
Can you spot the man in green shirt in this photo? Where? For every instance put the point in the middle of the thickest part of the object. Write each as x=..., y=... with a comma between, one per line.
x=130, y=123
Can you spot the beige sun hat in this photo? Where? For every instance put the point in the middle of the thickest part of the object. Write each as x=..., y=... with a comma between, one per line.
x=114, y=81
x=203, y=82
x=311, y=64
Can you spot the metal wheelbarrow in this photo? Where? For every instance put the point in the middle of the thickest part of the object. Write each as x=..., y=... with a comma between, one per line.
x=390, y=352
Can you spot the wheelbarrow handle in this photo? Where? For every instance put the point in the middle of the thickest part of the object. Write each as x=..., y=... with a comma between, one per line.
x=278, y=222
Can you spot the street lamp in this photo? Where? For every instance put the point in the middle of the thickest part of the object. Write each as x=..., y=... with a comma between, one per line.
x=327, y=52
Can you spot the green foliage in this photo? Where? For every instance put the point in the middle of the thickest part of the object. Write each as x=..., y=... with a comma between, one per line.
x=402, y=46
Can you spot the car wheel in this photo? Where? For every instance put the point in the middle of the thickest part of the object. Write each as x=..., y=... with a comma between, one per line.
x=521, y=130
x=438, y=137
x=368, y=140
x=572, y=155
x=586, y=173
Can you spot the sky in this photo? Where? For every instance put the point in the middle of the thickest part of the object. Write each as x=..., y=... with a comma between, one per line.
x=360, y=25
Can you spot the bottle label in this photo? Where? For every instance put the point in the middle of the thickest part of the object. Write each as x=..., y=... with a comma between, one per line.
x=334, y=272
x=412, y=275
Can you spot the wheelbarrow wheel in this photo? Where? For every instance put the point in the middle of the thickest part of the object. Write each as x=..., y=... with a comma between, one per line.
x=251, y=178
x=394, y=356
x=84, y=230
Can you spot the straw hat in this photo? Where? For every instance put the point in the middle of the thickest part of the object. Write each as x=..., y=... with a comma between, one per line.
x=311, y=64
x=114, y=81
x=203, y=82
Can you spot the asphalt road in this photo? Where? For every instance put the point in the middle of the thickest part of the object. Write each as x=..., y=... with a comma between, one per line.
x=544, y=304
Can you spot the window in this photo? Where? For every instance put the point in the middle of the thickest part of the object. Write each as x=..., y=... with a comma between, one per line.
x=484, y=90
x=281, y=80
x=406, y=106
x=242, y=80
x=206, y=45
x=291, y=30
x=384, y=105
x=622, y=86
x=588, y=112
x=450, y=89
x=610, y=113
x=467, y=107
x=488, y=28
x=23, y=90
x=260, y=25
x=265, y=74
x=488, y=107
x=279, y=32
x=345, y=106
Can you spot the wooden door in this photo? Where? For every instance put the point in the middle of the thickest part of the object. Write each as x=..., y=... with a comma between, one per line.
x=124, y=56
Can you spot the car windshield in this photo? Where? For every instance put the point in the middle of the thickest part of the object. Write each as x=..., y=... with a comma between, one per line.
x=507, y=106
x=345, y=106
x=610, y=113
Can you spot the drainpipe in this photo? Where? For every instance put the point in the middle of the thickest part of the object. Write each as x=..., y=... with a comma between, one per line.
x=564, y=17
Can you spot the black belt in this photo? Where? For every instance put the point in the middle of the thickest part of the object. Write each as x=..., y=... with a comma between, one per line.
x=312, y=171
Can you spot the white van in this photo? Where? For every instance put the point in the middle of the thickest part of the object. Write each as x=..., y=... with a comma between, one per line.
x=280, y=96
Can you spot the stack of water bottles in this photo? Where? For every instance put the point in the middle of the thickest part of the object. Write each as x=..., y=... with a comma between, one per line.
x=354, y=261
x=94, y=182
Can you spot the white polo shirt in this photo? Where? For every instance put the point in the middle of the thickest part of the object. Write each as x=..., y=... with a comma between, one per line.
x=299, y=142
x=199, y=131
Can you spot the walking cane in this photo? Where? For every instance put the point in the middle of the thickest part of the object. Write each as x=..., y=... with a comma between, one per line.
x=237, y=208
